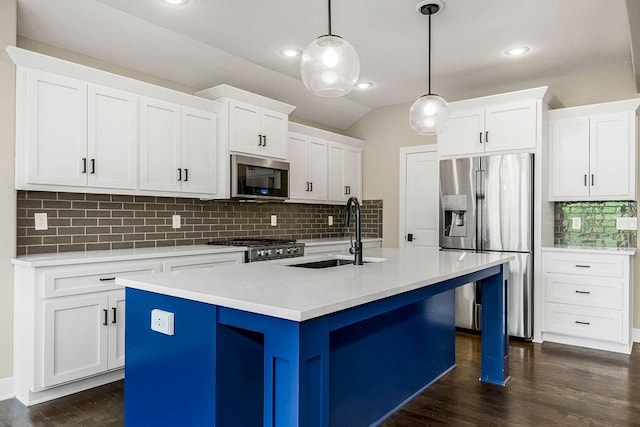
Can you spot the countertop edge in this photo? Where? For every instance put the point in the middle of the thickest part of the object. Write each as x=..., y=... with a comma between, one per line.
x=607, y=251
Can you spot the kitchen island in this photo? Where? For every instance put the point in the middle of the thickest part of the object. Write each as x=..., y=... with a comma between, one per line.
x=277, y=345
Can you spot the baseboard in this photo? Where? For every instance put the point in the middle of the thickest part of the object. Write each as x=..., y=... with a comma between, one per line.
x=6, y=388
x=636, y=335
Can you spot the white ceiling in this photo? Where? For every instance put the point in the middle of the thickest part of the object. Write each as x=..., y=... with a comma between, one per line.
x=209, y=42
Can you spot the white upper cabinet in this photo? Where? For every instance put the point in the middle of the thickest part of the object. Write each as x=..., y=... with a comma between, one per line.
x=56, y=132
x=593, y=152
x=112, y=138
x=324, y=167
x=308, y=168
x=492, y=129
x=177, y=148
x=495, y=124
x=251, y=124
x=85, y=130
x=345, y=172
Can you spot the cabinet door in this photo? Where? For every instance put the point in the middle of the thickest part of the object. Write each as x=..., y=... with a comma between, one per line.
x=75, y=338
x=298, y=181
x=353, y=172
x=612, y=157
x=116, y=316
x=336, y=177
x=244, y=127
x=112, y=138
x=159, y=146
x=317, y=169
x=511, y=127
x=569, y=159
x=463, y=134
x=56, y=130
x=275, y=127
x=198, y=151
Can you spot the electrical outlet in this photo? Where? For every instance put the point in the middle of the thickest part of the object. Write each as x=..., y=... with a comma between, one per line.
x=162, y=321
x=626, y=223
x=274, y=220
x=175, y=221
x=576, y=223
x=330, y=219
x=40, y=220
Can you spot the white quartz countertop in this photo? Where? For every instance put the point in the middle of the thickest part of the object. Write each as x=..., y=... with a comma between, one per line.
x=590, y=250
x=276, y=289
x=70, y=258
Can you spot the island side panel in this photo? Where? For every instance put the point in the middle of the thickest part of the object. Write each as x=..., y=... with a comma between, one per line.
x=169, y=380
x=495, y=330
x=380, y=363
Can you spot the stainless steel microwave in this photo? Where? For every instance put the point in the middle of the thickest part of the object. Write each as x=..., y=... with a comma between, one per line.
x=257, y=178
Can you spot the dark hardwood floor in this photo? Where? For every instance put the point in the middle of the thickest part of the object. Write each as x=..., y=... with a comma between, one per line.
x=551, y=385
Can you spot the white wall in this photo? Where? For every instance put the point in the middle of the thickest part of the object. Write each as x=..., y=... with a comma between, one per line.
x=8, y=10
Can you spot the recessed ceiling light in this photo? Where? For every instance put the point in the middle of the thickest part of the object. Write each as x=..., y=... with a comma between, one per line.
x=364, y=85
x=176, y=2
x=517, y=51
x=290, y=52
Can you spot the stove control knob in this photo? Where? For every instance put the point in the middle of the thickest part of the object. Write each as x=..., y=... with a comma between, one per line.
x=261, y=252
x=279, y=251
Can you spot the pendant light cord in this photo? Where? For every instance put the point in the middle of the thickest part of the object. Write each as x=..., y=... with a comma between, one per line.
x=429, y=53
x=329, y=8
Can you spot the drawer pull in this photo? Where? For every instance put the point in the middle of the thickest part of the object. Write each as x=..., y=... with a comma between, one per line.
x=582, y=323
x=115, y=315
x=583, y=266
x=106, y=317
x=583, y=292
x=106, y=279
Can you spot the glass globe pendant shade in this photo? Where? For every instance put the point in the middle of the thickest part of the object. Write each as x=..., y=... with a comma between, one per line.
x=330, y=66
x=429, y=115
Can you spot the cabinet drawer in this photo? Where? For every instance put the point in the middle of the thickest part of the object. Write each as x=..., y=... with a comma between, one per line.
x=585, y=264
x=91, y=278
x=599, y=292
x=584, y=322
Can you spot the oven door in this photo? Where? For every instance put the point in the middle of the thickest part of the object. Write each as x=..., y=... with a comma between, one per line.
x=255, y=178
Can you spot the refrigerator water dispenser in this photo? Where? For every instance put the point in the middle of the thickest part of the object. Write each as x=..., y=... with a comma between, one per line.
x=455, y=210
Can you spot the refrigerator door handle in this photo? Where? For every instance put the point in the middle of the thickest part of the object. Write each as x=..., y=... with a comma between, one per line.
x=479, y=209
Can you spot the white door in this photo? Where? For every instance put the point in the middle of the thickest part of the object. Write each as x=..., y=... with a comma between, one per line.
x=57, y=130
x=274, y=127
x=198, y=151
x=75, y=338
x=298, y=181
x=510, y=127
x=336, y=173
x=611, y=156
x=244, y=127
x=115, y=358
x=464, y=134
x=569, y=158
x=160, y=163
x=112, y=138
x=317, y=168
x=419, y=204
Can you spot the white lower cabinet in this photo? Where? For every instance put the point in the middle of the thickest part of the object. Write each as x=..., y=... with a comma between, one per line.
x=83, y=336
x=69, y=319
x=587, y=299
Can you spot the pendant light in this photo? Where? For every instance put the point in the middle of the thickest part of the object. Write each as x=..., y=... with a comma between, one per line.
x=329, y=66
x=429, y=115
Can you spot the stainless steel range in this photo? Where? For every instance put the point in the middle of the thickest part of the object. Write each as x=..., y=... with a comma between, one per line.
x=264, y=249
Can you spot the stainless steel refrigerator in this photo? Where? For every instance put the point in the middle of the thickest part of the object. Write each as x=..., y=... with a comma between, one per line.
x=486, y=205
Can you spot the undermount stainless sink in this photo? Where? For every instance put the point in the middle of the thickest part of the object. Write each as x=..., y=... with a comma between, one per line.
x=325, y=263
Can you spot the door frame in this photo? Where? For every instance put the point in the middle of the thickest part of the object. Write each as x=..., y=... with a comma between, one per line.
x=402, y=193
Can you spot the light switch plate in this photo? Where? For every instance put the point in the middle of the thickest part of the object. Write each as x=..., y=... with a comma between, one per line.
x=175, y=221
x=632, y=223
x=576, y=223
x=40, y=220
x=162, y=321
x=274, y=220
x=626, y=223
x=330, y=220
